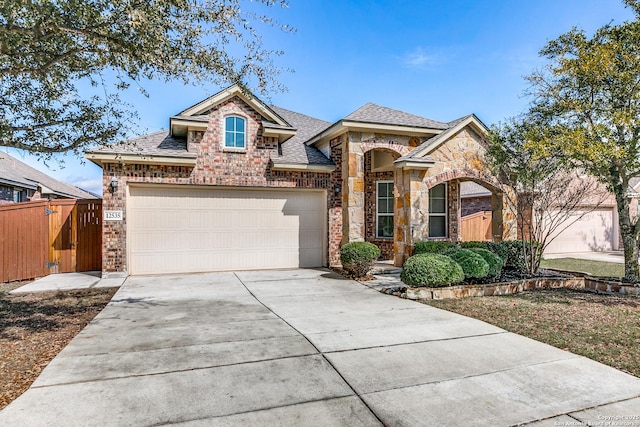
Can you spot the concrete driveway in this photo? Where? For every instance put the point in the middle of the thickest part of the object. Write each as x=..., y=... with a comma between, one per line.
x=307, y=347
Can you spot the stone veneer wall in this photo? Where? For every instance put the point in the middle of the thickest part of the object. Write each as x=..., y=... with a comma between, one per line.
x=459, y=158
x=370, y=179
x=215, y=166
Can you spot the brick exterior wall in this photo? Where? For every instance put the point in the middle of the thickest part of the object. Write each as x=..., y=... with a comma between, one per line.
x=370, y=179
x=6, y=193
x=215, y=166
x=471, y=205
x=335, y=203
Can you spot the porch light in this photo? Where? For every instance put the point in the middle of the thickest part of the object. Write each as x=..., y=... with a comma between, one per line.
x=114, y=184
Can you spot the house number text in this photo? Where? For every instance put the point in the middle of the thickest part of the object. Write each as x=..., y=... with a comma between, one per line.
x=112, y=215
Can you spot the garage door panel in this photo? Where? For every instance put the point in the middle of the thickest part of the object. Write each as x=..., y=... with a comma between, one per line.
x=594, y=231
x=191, y=230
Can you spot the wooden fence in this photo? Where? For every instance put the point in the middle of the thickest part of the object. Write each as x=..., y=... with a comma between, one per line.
x=43, y=237
x=476, y=226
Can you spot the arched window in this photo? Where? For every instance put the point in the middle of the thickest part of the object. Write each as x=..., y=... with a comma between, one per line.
x=234, y=132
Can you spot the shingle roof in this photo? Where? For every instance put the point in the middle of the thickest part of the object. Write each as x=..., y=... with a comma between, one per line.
x=294, y=150
x=154, y=144
x=198, y=118
x=372, y=113
x=472, y=189
x=14, y=172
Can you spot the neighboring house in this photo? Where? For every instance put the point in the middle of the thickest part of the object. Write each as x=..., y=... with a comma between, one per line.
x=596, y=226
x=20, y=183
x=237, y=184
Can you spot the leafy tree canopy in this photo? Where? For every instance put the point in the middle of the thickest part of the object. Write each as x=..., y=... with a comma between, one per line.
x=63, y=63
x=589, y=94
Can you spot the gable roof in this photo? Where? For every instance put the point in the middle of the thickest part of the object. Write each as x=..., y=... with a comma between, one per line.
x=377, y=114
x=453, y=127
x=202, y=107
x=16, y=173
x=376, y=118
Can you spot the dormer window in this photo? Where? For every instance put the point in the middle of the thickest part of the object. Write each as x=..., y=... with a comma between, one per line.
x=234, y=132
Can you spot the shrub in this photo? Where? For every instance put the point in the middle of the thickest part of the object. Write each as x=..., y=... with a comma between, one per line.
x=515, y=250
x=429, y=247
x=433, y=270
x=358, y=258
x=473, y=265
x=494, y=261
x=498, y=248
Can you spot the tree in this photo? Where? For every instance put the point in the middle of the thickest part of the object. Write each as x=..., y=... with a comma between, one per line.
x=590, y=93
x=64, y=63
x=551, y=194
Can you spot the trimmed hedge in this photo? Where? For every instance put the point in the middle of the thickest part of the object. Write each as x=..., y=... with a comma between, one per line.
x=432, y=270
x=358, y=258
x=494, y=261
x=498, y=248
x=473, y=265
x=432, y=247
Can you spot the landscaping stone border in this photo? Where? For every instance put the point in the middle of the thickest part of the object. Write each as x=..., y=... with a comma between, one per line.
x=506, y=288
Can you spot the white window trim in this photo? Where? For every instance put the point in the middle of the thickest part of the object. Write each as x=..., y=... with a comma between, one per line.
x=224, y=133
x=378, y=214
x=445, y=214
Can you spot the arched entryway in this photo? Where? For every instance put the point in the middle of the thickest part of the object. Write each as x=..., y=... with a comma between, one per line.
x=476, y=212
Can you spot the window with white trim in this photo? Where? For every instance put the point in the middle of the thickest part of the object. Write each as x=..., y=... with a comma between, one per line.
x=234, y=132
x=438, y=211
x=384, y=209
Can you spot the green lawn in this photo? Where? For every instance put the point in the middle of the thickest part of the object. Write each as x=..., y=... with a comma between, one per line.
x=595, y=268
x=605, y=328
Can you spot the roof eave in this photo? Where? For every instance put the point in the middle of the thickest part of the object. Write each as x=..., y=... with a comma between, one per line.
x=18, y=184
x=348, y=125
x=102, y=158
x=303, y=167
x=281, y=134
x=408, y=164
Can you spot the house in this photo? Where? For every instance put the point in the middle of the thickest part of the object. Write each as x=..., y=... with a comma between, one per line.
x=238, y=184
x=20, y=183
x=594, y=226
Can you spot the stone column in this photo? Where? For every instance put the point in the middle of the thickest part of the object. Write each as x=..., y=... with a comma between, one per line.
x=504, y=224
x=353, y=212
x=411, y=213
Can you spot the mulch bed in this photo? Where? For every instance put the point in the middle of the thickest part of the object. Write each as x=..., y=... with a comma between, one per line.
x=34, y=327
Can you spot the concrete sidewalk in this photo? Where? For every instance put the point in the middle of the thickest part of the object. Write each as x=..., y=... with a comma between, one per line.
x=609, y=256
x=308, y=347
x=69, y=281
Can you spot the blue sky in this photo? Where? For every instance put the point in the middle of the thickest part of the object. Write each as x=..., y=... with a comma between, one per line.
x=437, y=59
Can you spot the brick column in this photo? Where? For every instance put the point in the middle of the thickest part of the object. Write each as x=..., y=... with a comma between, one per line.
x=335, y=203
x=453, y=199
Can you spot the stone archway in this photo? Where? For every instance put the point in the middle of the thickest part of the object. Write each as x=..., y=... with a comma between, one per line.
x=413, y=214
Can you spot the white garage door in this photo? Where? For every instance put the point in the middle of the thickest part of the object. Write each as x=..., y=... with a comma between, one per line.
x=185, y=230
x=595, y=231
